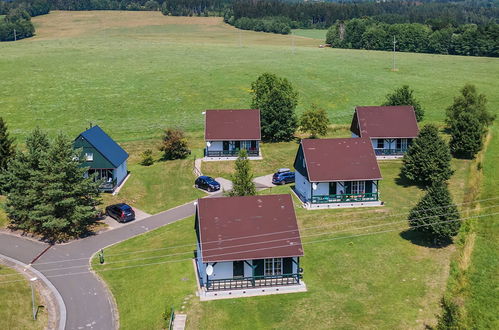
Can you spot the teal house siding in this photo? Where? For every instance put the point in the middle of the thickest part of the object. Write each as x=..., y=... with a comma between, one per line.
x=103, y=156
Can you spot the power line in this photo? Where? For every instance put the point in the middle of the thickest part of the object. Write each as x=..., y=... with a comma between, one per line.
x=270, y=241
x=310, y=242
x=278, y=232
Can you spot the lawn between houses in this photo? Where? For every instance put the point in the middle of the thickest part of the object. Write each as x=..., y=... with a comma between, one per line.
x=352, y=282
x=15, y=303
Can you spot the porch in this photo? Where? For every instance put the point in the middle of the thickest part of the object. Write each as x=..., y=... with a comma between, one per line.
x=345, y=198
x=230, y=153
x=252, y=282
x=227, y=150
x=390, y=152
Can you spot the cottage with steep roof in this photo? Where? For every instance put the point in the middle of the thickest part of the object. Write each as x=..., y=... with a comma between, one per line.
x=332, y=173
x=103, y=156
x=247, y=246
x=390, y=128
x=229, y=131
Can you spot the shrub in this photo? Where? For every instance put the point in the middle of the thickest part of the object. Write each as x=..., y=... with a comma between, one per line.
x=314, y=121
x=147, y=159
x=174, y=145
x=242, y=180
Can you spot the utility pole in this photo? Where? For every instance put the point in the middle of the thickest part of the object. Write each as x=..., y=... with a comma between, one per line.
x=393, y=60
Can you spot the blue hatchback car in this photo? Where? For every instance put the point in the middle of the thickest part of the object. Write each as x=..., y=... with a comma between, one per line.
x=283, y=176
x=207, y=183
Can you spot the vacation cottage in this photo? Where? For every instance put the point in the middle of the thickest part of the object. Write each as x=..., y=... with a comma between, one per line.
x=247, y=246
x=390, y=128
x=104, y=157
x=333, y=173
x=229, y=131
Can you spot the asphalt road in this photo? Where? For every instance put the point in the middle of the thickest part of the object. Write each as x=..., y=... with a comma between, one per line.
x=88, y=302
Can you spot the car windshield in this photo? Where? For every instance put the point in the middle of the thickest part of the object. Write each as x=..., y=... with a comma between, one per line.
x=126, y=208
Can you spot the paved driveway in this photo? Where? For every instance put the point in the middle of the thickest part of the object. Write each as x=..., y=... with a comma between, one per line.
x=113, y=224
x=88, y=302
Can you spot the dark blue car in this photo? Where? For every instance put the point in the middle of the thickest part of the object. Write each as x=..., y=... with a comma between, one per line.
x=283, y=176
x=207, y=183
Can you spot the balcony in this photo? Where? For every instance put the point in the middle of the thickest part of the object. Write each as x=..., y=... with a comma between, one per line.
x=390, y=152
x=231, y=153
x=345, y=198
x=253, y=282
x=108, y=186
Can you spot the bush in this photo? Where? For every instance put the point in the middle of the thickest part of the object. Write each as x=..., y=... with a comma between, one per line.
x=314, y=121
x=147, y=159
x=174, y=145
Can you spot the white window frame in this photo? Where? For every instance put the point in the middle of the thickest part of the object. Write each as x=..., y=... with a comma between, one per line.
x=89, y=156
x=358, y=187
x=272, y=266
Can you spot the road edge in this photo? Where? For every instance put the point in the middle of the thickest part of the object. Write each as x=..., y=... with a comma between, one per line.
x=61, y=307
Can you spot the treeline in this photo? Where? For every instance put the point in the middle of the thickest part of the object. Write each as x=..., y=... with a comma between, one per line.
x=32, y=7
x=267, y=24
x=325, y=14
x=16, y=25
x=366, y=33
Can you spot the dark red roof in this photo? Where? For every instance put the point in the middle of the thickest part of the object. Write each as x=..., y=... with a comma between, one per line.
x=241, y=124
x=249, y=227
x=349, y=159
x=385, y=122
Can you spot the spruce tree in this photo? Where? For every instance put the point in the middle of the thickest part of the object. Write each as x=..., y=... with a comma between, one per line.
x=404, y=96
x=467, y=134
x=428, y=159
x=277, y=100
x=242, y=180
x=68, y=200
x=6, y=145
x=436, y=214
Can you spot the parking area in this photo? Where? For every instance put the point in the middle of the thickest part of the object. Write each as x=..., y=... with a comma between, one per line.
x=113, y=224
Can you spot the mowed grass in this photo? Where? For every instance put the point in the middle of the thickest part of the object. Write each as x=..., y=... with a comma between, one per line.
x=15, y=303
x=311, y=33
x=135, y=73
x=481, y=299
x=352, y=281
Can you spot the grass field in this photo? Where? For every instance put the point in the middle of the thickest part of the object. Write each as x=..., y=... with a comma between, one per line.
x=15, y=303
x=311, y=33
x=135, y=73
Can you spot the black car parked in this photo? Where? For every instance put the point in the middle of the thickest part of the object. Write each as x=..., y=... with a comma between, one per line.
x=121, y=212
x=207, y=183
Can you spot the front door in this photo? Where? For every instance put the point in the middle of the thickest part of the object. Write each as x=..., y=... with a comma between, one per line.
x=238, y=269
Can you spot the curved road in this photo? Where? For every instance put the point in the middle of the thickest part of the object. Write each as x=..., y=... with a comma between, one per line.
x=88, y=302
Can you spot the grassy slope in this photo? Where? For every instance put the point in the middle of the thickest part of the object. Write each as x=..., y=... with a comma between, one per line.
x=481, y=293
x=311, y=33
x=15, y=303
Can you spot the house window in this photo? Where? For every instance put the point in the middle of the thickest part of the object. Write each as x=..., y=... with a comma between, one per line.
x=273, y=266
x=381, y=143
x=402, y=144
x=89, y=156
x=358, y=187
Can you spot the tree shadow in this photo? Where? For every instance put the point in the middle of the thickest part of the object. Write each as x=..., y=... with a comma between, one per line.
x=422, y=239
x=401, y=180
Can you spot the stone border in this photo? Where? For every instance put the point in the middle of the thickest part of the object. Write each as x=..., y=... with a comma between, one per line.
x=55, y=305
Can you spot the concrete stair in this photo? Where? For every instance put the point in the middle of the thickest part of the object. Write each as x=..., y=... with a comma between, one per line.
x=179, y=321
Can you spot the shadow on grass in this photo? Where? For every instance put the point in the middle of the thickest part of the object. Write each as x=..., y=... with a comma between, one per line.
x=421, y=239
x=401, y=180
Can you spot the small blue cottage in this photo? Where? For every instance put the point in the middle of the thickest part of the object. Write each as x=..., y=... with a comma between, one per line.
x=103, y=156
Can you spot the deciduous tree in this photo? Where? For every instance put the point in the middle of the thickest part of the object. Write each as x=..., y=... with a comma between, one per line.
x=174, y=144
x=428, y=158
x=314, y=121
x=467, y=134
x=277, y=100
x=470, y=102
x=404, y=96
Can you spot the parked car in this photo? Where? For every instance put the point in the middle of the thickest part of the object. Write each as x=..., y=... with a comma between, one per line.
x=207, y=183
x=283, y=176
x=121, y=212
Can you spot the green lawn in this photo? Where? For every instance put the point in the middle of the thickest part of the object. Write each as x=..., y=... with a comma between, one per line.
x=311, y=33
x=15, y=303
x=348, y=285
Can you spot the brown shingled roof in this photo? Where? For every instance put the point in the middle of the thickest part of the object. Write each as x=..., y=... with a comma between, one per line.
x=249, y=227
x=385, y=122
x=241, y=124
x=348, y=159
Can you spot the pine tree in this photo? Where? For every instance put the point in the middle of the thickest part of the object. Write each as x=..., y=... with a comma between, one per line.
x=242, y=180
x=404, y=96
x=277, y=100
x=6, y=145
x=467, y=134
x=436, y=214
x=314, y=121
x=428, y=159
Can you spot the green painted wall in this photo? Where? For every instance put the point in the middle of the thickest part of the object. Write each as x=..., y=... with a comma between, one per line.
x=99, y=160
